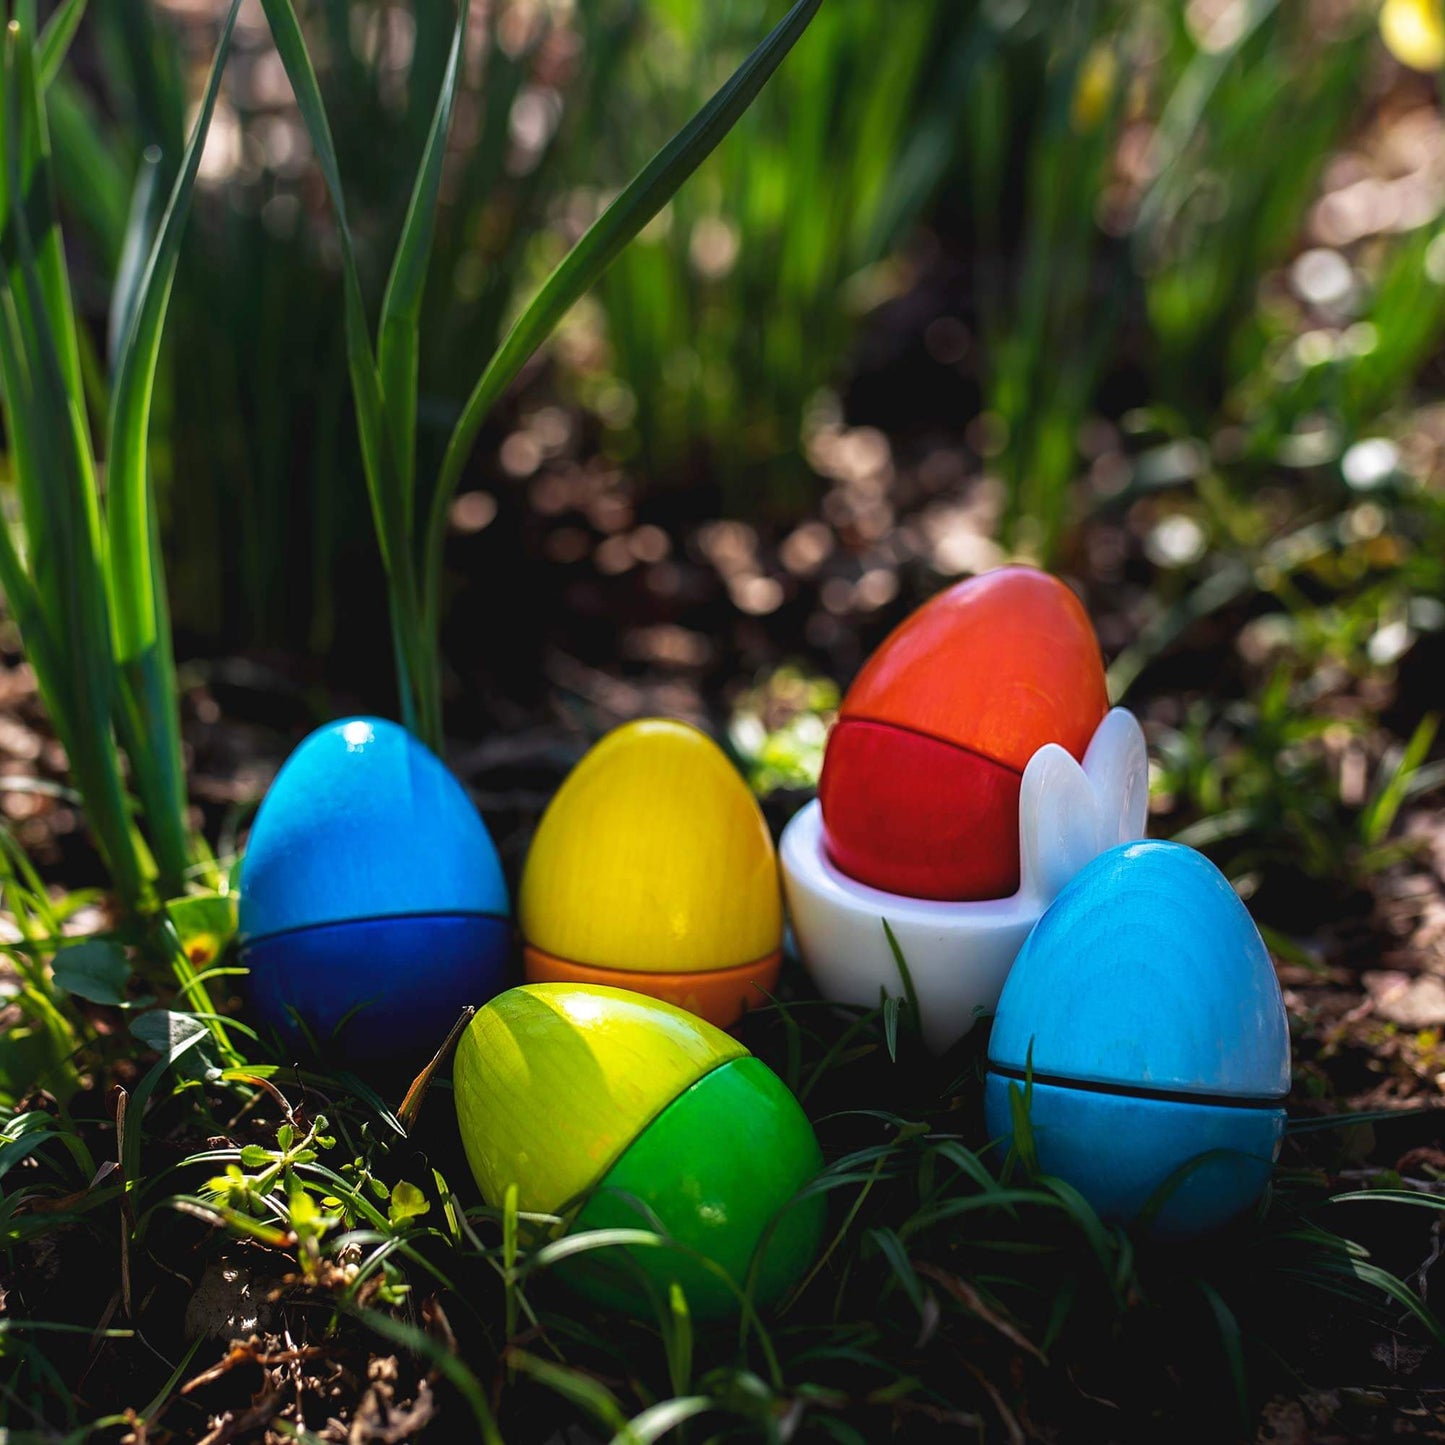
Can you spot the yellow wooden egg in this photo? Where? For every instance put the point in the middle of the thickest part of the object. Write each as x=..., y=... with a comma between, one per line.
x=654, y=870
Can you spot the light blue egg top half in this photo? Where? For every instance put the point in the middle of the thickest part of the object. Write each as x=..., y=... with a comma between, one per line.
x=365, y=822
x=1147, y=970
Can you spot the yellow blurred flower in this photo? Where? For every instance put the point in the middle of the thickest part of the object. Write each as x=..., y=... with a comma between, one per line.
x=1094, y=89
x=203, y=949
x=1414, y=32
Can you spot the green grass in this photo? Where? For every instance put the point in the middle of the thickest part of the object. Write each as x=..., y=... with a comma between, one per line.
x=266, y=540
x=725, y=319
x=410, y=520
x=1085, y=266
x=84, y=579
x=954, y=1291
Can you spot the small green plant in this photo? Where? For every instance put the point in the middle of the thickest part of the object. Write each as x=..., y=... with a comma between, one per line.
x=779, y=729
x=41, y=1036
x=1154, y=259
x=411, y=521
x=949, y=1289
x=1211, y=222
x=1049, y=324
x=252, y=393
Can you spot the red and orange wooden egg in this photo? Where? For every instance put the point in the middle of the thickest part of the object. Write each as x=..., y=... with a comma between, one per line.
x=920, y=784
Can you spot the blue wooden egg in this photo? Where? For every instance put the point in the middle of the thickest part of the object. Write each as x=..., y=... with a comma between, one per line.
x=373, y=907
x=1146, y=1012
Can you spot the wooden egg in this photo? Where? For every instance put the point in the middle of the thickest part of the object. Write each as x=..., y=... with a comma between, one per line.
x=920, y=783
x=373, y=907
x=1145, y=1011
x=604, y=1106
x=654, y=870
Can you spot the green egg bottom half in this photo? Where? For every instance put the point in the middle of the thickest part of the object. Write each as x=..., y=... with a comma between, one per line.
x=715, y=1168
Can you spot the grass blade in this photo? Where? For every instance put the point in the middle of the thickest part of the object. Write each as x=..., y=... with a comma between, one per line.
x=648, y=192
x=1372, y=1275
x=895, y=1253
x=576, y=1387
x=55, y=39
x=91, y=177
x=129, y=505
x=655, y=1421
x=390, y=503
x=24, y=604
x=140, y=229
x=139, y=610
x=677, y=1339
x=36, y=196
x=1383, y=808
x=401, y=306
x=1232, y=1343
x=56, y=477
x=910, y=994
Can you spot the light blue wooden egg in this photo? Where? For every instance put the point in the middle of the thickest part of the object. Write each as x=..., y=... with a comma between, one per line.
x=373, y=907
x=1158, y=1037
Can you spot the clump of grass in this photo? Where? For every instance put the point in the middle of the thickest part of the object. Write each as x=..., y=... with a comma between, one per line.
x=952, y=1293
x=727, y=317
x=85, y=580
x=410, y=519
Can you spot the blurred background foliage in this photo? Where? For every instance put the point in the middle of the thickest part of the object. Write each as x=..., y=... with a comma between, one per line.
x=1122, y=182
x=1150, y=292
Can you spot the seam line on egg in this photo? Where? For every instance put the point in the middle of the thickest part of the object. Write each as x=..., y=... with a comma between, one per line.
x=879, y=722
x=1141, y=1091
x=720, y=970
x=573, y=1205
x=243, y=940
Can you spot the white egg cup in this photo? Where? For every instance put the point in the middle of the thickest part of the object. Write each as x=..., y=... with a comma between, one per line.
x=959, y=954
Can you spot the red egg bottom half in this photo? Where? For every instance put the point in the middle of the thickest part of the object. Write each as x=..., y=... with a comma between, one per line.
x=911, y=814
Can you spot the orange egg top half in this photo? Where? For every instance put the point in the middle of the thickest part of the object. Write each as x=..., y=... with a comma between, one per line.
x=921, y=780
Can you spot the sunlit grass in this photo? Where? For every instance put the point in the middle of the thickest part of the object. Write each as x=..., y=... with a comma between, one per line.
x=84, y=580
x=410, y=518
x=951, y=1288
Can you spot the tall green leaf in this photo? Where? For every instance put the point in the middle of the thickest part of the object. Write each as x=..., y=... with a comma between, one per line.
x=140, y=231
x=37, y=195
x=139, y=608
x=604, y=241
x=54, y=471
x=93, y=178
x=385, y=394
x=56, y=37
x=390, y=501
x=397, y=340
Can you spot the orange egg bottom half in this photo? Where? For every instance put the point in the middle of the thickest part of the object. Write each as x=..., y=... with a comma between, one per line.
x=719, y=995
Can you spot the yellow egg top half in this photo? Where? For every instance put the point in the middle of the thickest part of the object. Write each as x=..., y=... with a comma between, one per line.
x=554, y=1081
x=654, y=856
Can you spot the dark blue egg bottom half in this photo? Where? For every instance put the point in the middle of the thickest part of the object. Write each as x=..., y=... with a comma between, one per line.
x=1119, y=1149
x=375, y=990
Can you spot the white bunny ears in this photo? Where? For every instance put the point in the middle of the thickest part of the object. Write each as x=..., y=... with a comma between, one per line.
x=958, y=954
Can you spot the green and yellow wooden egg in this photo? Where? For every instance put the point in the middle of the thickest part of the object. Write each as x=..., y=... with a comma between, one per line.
x=609, y=1109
